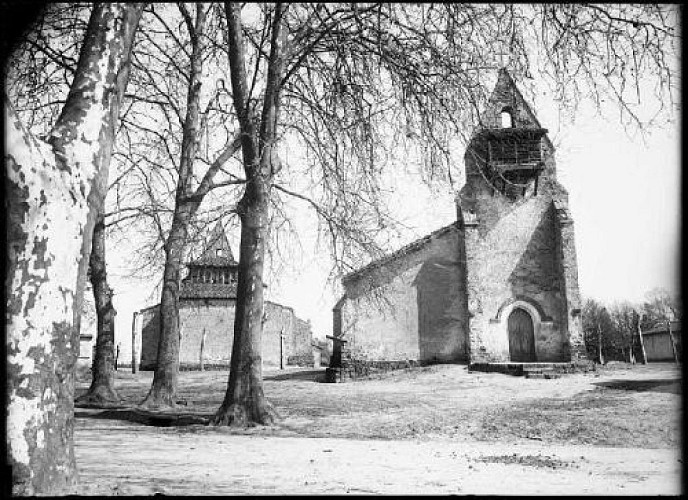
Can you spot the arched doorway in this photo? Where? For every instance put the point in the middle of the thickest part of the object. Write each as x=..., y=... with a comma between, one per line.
x=521, y=336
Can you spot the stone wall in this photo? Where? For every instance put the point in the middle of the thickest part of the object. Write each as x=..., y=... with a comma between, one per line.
x=148, y=324
x=300, y=350
x=410, y=308
x=658, y=346
x=216, y=318
x=507, y=251
x=513, y=260
x=520, y=253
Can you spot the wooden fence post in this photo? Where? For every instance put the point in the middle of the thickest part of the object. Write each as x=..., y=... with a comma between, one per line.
x=202, y=349
x=673, y=342
x=640, y=339
x=134, y=367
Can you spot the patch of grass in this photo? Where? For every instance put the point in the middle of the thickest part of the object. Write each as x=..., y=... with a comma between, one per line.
x=604, y=417
x=445, y=401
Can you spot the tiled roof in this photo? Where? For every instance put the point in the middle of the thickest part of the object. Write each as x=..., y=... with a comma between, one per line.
x=207, y=290
x=208, y=261
x=510, y=132
x=416, y=245
x=216, y=243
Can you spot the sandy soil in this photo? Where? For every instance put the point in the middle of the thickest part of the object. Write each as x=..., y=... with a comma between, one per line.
x=433, y=430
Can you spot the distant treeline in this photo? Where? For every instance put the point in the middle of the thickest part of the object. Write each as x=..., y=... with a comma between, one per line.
x=616, y=326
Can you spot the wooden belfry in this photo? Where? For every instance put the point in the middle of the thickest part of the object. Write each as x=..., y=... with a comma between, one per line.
x=514, y=158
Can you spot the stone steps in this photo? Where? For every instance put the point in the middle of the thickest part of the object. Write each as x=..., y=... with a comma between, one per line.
x=551, y=370
x=544, y=374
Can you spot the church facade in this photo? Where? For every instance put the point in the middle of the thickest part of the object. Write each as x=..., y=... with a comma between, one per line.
x=498, y=285
x=207, y=305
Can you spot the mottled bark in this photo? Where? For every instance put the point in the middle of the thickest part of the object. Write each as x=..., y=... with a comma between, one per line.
x=53, y=192
x=102, y=390
x=245, y=403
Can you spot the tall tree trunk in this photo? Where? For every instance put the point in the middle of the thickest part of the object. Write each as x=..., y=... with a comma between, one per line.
x=53, y=193
x=600, y=356
x=674, y=350
x=641, y=343
x=102, y=390
x=164, y=389
x=134, y=338
x=245, y=403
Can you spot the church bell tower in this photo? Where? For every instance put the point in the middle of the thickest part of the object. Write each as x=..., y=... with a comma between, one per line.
x=517, y=238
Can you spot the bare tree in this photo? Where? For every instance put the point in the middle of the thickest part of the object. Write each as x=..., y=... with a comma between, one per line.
x=597, y=329
x=44, y=64
x=660, y=306
x=623, y=330
x=53, y=192
x=102, y=389
x=350, y=83
x=188, y=199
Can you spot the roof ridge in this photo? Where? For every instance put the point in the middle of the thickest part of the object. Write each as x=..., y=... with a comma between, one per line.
x=400, y=252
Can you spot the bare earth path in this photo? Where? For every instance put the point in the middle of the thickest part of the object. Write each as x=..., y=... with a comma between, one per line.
x=437, y=430
x=233, y=464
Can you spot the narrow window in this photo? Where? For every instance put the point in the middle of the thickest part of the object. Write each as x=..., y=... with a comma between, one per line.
x=218, y=252
x=507, y=119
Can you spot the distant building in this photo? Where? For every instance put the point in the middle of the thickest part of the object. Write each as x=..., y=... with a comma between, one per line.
x=498, y=285
x=207, y=305
x=658, y=342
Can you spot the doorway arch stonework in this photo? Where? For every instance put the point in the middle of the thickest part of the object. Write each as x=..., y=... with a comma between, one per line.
x=505, y=312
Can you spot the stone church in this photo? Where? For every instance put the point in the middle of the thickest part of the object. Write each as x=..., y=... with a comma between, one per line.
x=207, y=304
x=498, y=285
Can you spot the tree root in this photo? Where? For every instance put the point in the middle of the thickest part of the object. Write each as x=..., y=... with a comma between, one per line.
x=99, y=396
x=158, y=401
x=243, y=416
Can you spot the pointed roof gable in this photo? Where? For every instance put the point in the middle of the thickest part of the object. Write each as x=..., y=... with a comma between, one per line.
x=217, y=251
x=506, y=96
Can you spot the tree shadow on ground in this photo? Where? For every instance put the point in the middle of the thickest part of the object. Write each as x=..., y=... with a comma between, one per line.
x=169, y=418
x=669, y=385
x=309, y=375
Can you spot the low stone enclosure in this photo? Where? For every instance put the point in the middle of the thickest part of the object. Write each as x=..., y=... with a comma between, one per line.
x=352, y=369
x=346, y=365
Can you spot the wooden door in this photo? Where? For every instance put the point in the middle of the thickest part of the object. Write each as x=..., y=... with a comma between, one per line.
x=521, y=336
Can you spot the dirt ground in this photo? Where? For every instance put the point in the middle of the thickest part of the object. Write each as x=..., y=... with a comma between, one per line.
x=437, y=429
